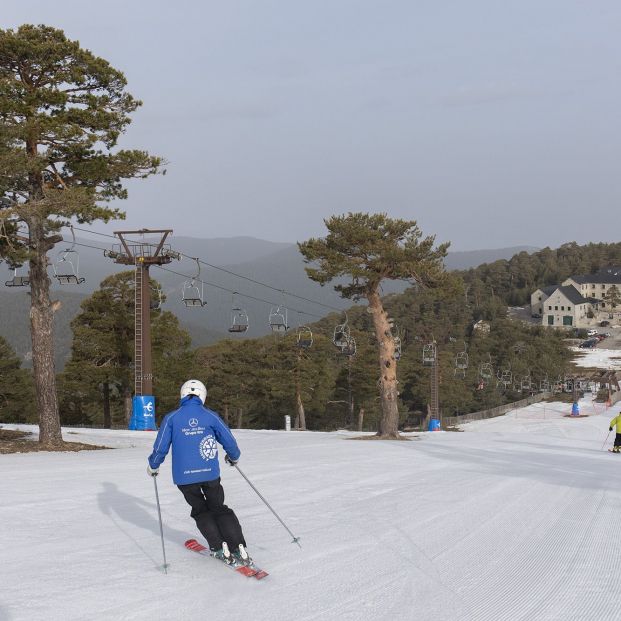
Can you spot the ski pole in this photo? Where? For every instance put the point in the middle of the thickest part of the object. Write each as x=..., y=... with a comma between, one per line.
x=159, y=515
x=295, y=539
x=606, y=440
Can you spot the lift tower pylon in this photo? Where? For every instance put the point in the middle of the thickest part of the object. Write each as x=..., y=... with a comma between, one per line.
x=142, y=255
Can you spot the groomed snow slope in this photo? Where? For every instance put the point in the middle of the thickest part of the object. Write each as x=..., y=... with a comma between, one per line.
x=516, y=519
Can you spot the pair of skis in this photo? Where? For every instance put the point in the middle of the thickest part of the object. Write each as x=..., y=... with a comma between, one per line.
x=250, y=570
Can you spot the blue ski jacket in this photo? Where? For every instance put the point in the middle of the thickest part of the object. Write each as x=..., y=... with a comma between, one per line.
x=194, y=431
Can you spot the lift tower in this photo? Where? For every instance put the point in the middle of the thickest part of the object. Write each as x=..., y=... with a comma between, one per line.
x=142, y=255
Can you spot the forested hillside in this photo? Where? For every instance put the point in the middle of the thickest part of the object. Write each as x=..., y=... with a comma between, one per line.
x=259, y=376
x=515, y=279
x=258, y=380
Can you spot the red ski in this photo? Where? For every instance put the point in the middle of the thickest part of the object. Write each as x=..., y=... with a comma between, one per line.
x=250, y=571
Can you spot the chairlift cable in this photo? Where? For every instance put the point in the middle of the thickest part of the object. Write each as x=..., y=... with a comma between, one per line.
x=222, y=269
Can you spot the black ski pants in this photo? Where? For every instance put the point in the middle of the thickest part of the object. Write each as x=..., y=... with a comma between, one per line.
x=618, y=439
x=214, y=519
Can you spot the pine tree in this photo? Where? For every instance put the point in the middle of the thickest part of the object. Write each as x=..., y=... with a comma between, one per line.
x=62, y=110
x=103, y=351
x=368, y=249
x=16, y=390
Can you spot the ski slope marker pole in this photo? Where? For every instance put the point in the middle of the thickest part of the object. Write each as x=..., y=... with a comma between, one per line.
x=606, y=440
x=295, y=539
x=159, y=515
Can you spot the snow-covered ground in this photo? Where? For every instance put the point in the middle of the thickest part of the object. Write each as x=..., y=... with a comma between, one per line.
x=598, y=358
x=516, y=519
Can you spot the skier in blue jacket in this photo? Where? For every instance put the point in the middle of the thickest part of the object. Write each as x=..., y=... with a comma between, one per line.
x=194, y=432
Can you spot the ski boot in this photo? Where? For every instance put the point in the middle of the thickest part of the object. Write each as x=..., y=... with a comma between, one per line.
x=615, y=449
x=241, y=555
x=223, y=554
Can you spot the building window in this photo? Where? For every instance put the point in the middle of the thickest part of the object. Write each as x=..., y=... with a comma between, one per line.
x=603, y=304
x=549, y=308
x=592, y=286
x=569, y=308
x=562, y=308
x=556, y=308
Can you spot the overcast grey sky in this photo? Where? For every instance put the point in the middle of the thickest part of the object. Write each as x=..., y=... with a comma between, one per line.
x=492, y=123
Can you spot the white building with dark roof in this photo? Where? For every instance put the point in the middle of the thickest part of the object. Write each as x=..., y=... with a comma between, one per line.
x=579, y=302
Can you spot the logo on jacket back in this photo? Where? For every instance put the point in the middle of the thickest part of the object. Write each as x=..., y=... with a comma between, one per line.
x=193, y=428
x=208, y=448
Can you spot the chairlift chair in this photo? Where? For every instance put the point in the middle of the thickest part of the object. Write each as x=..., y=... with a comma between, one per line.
x=350, y=348
x=397, y=341
x=239, y=320
x=278, y=319
x=486, y=371
x=506, y=377
x=17, y=281
x=429, y=354
x=525, y=383
x=461, y=360
x=156, y=298
x=341, y=335
x=192, y=294
x=66, y=267
x=305, y=337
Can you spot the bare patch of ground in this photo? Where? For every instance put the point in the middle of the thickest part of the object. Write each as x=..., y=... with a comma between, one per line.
x=374, y=437
x=14, y=441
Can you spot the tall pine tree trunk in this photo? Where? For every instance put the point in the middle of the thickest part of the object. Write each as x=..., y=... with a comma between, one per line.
x=301, y=416
x=240, y=414
x=107, y=422
x=42, y=335
x=360, y=418
x=299, y=405
x=127, y=402
x=225, y=414
x=389, y=420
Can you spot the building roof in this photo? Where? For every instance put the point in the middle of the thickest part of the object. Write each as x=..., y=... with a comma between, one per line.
x=605, y=276
x=572, y=294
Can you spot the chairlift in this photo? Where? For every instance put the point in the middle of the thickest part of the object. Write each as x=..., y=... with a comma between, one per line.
x=544, y=385
x=341, y=335
x=17, y=281
x=239, y=317
x=304, y=337
x=505, y=377
x=397, y=340
x=157, y=297
x=191, y=294
x=66, y=267
x=350, y=347
x=239, y=320
x=526, y=383
x=429, y=354
x=461, y=360
x=486, y=371
x=278, y=319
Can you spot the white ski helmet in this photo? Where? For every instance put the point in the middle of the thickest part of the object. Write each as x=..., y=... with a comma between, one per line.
x=194, y=387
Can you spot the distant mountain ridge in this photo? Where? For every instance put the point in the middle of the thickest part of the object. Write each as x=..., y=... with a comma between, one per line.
x=465, y=259
x=279, y=265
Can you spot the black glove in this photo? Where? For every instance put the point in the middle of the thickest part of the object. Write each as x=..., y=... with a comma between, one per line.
x=609, y=428
x=230, y=462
